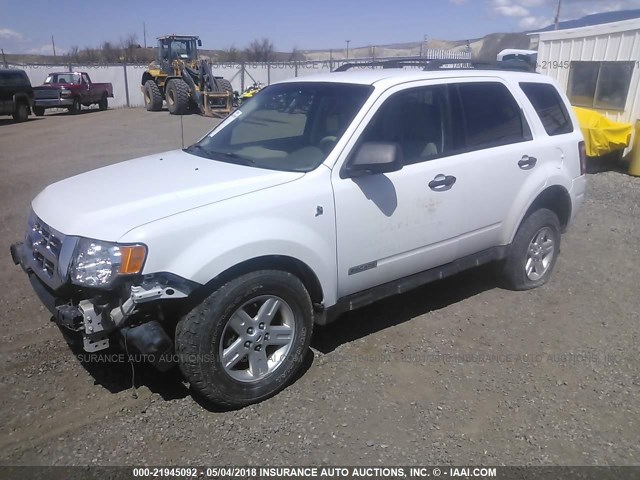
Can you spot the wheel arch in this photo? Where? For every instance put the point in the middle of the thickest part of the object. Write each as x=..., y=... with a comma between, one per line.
x=267, y=262
x=555, y=198
x=21, y=98
x=146, y=76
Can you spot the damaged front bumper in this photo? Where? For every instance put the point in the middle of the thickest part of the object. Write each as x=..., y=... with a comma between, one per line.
x=125, y=313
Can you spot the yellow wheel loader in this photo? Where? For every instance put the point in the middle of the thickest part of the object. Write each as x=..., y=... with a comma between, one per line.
x=186, y=83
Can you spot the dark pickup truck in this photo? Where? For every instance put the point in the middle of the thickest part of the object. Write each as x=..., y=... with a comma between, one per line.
x=16, y=94
x=70, y=90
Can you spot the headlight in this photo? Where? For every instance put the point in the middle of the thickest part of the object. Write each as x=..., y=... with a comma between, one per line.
x=97, y=264
x=65, y=93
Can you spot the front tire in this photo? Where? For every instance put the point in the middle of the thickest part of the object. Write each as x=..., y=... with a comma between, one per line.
x=247, y=340
x=225, y=85
x=38, y=111
x=177, y=97
x=75, y=107
x=534, y=251
x=21, y=113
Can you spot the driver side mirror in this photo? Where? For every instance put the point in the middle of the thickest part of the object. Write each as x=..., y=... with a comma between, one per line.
x=199, y=42
x=374, y=157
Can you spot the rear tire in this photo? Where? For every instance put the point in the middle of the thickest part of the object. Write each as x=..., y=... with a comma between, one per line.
x=152, y=96
x=534, y=251
x=38, y=111
x=177, y=96
x=248, y=339
x=21, y=113
x=103, y=104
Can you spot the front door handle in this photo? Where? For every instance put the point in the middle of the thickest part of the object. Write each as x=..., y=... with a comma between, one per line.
x=527, y=162
x=442, y=183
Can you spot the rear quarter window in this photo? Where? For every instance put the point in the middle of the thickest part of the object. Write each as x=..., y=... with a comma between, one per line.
x=550, y=108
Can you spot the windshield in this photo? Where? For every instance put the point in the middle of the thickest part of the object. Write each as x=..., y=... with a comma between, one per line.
x=289, y=126
x=62, y=78
x=182, y=48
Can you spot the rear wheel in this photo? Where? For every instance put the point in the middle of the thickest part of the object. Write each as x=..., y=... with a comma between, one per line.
x=177, y=96
x=103, y=104
x=247, y=340
x=534, y=251
x=152, y=96
x=38, y=111
x=76, y=106
x=21, y=113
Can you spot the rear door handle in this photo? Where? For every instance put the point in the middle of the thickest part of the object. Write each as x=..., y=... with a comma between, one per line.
x=442, y=183
x=527, y=162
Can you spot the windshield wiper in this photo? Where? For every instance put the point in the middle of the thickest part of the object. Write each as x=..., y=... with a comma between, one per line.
x=237, y=158
x=215, y=155
x=194, y=147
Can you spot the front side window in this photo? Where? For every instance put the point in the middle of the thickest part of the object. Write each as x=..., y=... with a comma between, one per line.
x=603, y=85
x=418, y=120
x=550, y=108
x=288, y=126
x=491, y=115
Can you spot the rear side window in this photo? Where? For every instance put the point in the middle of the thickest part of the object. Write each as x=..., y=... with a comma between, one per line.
x=549, y=106
x=15, y=78
x=491, y=115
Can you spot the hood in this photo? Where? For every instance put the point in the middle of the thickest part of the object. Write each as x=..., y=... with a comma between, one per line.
x=108, y=202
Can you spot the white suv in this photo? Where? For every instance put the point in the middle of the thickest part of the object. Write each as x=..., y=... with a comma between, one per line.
x=317, y=196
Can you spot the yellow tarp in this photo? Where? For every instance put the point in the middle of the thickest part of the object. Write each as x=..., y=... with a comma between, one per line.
x=602, y=135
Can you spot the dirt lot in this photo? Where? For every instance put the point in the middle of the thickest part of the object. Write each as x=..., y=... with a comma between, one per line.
x=459, y=372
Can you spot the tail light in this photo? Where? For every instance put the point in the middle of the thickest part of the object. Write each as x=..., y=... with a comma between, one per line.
x=582, y=150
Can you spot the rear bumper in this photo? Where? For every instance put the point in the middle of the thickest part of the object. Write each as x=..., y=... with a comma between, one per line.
x=53, y=102
x=577, y=193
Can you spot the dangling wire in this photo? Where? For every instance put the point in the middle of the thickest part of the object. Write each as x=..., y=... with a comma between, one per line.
x=126, y=349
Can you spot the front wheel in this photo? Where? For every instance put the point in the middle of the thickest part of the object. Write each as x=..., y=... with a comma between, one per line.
x=76, y=106
x=247, y=340
x=177, y=96
x=38, y=111
x=534, y=251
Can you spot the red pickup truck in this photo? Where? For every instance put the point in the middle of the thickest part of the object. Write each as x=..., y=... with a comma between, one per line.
x=70, y=90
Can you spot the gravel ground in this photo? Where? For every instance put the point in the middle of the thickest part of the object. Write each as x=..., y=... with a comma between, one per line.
x=458, y=372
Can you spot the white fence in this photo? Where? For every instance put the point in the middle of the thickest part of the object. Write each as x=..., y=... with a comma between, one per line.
x=126, y=79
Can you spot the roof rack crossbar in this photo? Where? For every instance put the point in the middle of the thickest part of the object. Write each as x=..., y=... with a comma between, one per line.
x=433, y=64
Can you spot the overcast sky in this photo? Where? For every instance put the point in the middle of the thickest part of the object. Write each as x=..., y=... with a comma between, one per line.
x=27, y=26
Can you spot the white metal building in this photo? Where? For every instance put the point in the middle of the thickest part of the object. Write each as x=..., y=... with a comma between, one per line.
x=598, y=66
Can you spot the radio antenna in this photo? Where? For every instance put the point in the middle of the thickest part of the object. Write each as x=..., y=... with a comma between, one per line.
x=182, y=130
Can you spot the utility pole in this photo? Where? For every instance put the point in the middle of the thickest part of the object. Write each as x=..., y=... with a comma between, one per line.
x=4, y=59
x=144, y=34
x=558, y=15
x=348, y=42
x=423, y=45
x=53, y=43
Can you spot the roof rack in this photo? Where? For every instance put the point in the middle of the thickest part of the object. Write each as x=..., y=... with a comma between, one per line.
x=442, y=64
